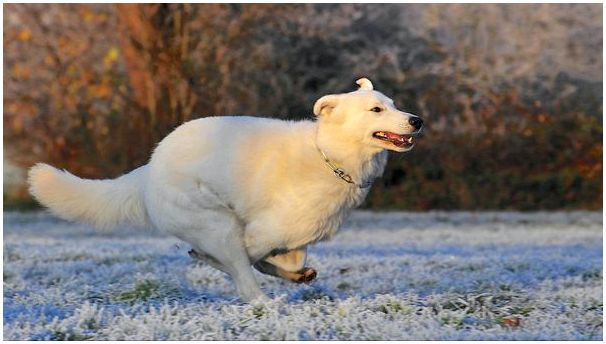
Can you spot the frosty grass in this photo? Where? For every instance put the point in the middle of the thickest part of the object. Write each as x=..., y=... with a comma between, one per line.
x=438, y=275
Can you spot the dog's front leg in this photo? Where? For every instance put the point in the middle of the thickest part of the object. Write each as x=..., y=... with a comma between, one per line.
x=289, y=265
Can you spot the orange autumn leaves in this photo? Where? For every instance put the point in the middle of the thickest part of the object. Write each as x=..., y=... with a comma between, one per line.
x=93, y=88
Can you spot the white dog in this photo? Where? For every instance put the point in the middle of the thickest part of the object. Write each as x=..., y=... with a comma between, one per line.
x=247, y=191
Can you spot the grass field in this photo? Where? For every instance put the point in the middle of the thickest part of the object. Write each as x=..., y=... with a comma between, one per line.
x=406, y=276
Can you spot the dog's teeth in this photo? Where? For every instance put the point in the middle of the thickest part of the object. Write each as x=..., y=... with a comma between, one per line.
x=410, y=139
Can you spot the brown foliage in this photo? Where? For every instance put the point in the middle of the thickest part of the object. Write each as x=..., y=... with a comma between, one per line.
x=92, y=88
x=60, y=101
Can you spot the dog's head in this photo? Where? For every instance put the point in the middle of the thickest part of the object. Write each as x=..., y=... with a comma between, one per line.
x=369, y=117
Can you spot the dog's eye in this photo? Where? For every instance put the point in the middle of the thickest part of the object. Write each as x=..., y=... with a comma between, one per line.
x=376, y=109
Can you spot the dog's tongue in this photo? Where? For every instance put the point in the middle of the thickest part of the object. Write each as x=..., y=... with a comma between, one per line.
x=399, y=140
x=393, y=136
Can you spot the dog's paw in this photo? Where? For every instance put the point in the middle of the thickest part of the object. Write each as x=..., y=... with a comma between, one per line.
x=307, y=275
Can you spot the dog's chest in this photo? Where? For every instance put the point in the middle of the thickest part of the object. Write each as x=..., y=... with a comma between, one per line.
x=318, y=218
x=336, y=209
x=321, y=211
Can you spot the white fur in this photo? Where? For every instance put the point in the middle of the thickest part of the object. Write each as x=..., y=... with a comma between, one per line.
x=237, y=188
x=102, y=203
x=364, y=84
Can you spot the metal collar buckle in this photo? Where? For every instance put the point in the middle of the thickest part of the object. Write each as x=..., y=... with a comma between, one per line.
x=339, y=172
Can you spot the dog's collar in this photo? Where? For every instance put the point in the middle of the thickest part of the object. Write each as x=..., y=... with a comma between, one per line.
x=339, y=172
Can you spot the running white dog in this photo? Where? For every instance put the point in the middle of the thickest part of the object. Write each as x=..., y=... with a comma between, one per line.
x=247, y=191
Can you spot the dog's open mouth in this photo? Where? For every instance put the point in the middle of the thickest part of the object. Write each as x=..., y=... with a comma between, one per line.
x=396, y=139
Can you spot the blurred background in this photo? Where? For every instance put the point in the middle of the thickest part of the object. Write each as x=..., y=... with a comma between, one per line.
x=511, y=94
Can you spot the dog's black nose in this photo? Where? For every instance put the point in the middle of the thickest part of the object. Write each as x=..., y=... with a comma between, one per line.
x=416, y=122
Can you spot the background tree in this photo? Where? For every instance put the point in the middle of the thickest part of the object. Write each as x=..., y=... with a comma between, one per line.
x=512, y=94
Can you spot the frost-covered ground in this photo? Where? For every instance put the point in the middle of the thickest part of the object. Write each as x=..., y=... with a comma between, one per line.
x=384, y=276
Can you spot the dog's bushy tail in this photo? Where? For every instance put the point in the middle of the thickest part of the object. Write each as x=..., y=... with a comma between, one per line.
x=102, y=203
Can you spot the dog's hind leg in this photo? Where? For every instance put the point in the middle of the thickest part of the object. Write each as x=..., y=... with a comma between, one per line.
x=205, y=258
x=223, y=243
x=288, y=265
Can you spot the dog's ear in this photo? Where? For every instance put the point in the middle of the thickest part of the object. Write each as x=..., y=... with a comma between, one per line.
x=326, y=104
x=364, y=84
